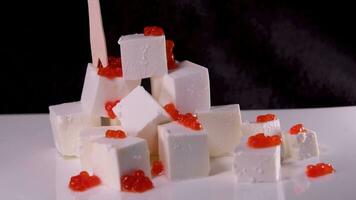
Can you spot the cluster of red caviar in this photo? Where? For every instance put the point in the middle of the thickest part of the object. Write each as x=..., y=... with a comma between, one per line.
x=188, y=120
x=157, y=168
x=119, y=134
x=298, y=128
x=265, y=118
x=109, y=106
x=83, y=181
x=171, y=62
x=136, y=182
x=153, y=31
x=319, y=169
x=260, y=140
x=113, y=70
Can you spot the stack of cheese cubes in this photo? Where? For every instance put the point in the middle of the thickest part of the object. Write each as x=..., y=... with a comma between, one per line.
x=264, y=164
x=79, y=131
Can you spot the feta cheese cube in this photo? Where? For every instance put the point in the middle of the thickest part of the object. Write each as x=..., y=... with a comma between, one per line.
x=113, y=158
x=67, y=120
x=268, y=128
x=223, y=125
x=187, y=87
x=257, y=165
x=98, y=90
x=143, y=56
x=140, y=114
x=300, y=146
x=87, y=136
x=183, y=152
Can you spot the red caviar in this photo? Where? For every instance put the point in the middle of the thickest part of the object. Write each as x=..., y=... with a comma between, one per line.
x=109, y=106
x=261, y=141
x=188, y=120
x=319, y=169
x=83, y=181
x=153, y=31
x=171, y=62
x=157, y=168
x=298, y=128
x=136, y=182
x=119, y=134
x=265, y=118
x=172, y=111
x=113, y=70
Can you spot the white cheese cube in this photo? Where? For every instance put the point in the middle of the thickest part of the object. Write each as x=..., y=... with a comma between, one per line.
x=187, y=87
x=140, y=114
x=87, y=136
x=98, y=90
x=300, y=146
x=268, y=128
x=113, y=158
x=143, y=56
x=183, y=152
x=257, y=164
x=223, y=125
x=67, y=120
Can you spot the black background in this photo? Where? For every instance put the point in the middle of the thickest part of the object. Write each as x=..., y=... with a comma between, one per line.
x=261, y=54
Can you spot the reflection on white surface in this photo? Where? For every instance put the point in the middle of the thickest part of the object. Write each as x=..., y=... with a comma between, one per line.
x=300, y=184
x=26, y=158
x=295, y=174
x=261, y=191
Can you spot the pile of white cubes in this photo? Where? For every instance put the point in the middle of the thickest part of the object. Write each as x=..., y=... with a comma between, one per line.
x=79, y=127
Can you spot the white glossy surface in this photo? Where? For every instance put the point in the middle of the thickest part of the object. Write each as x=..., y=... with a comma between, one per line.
x=30, y=167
